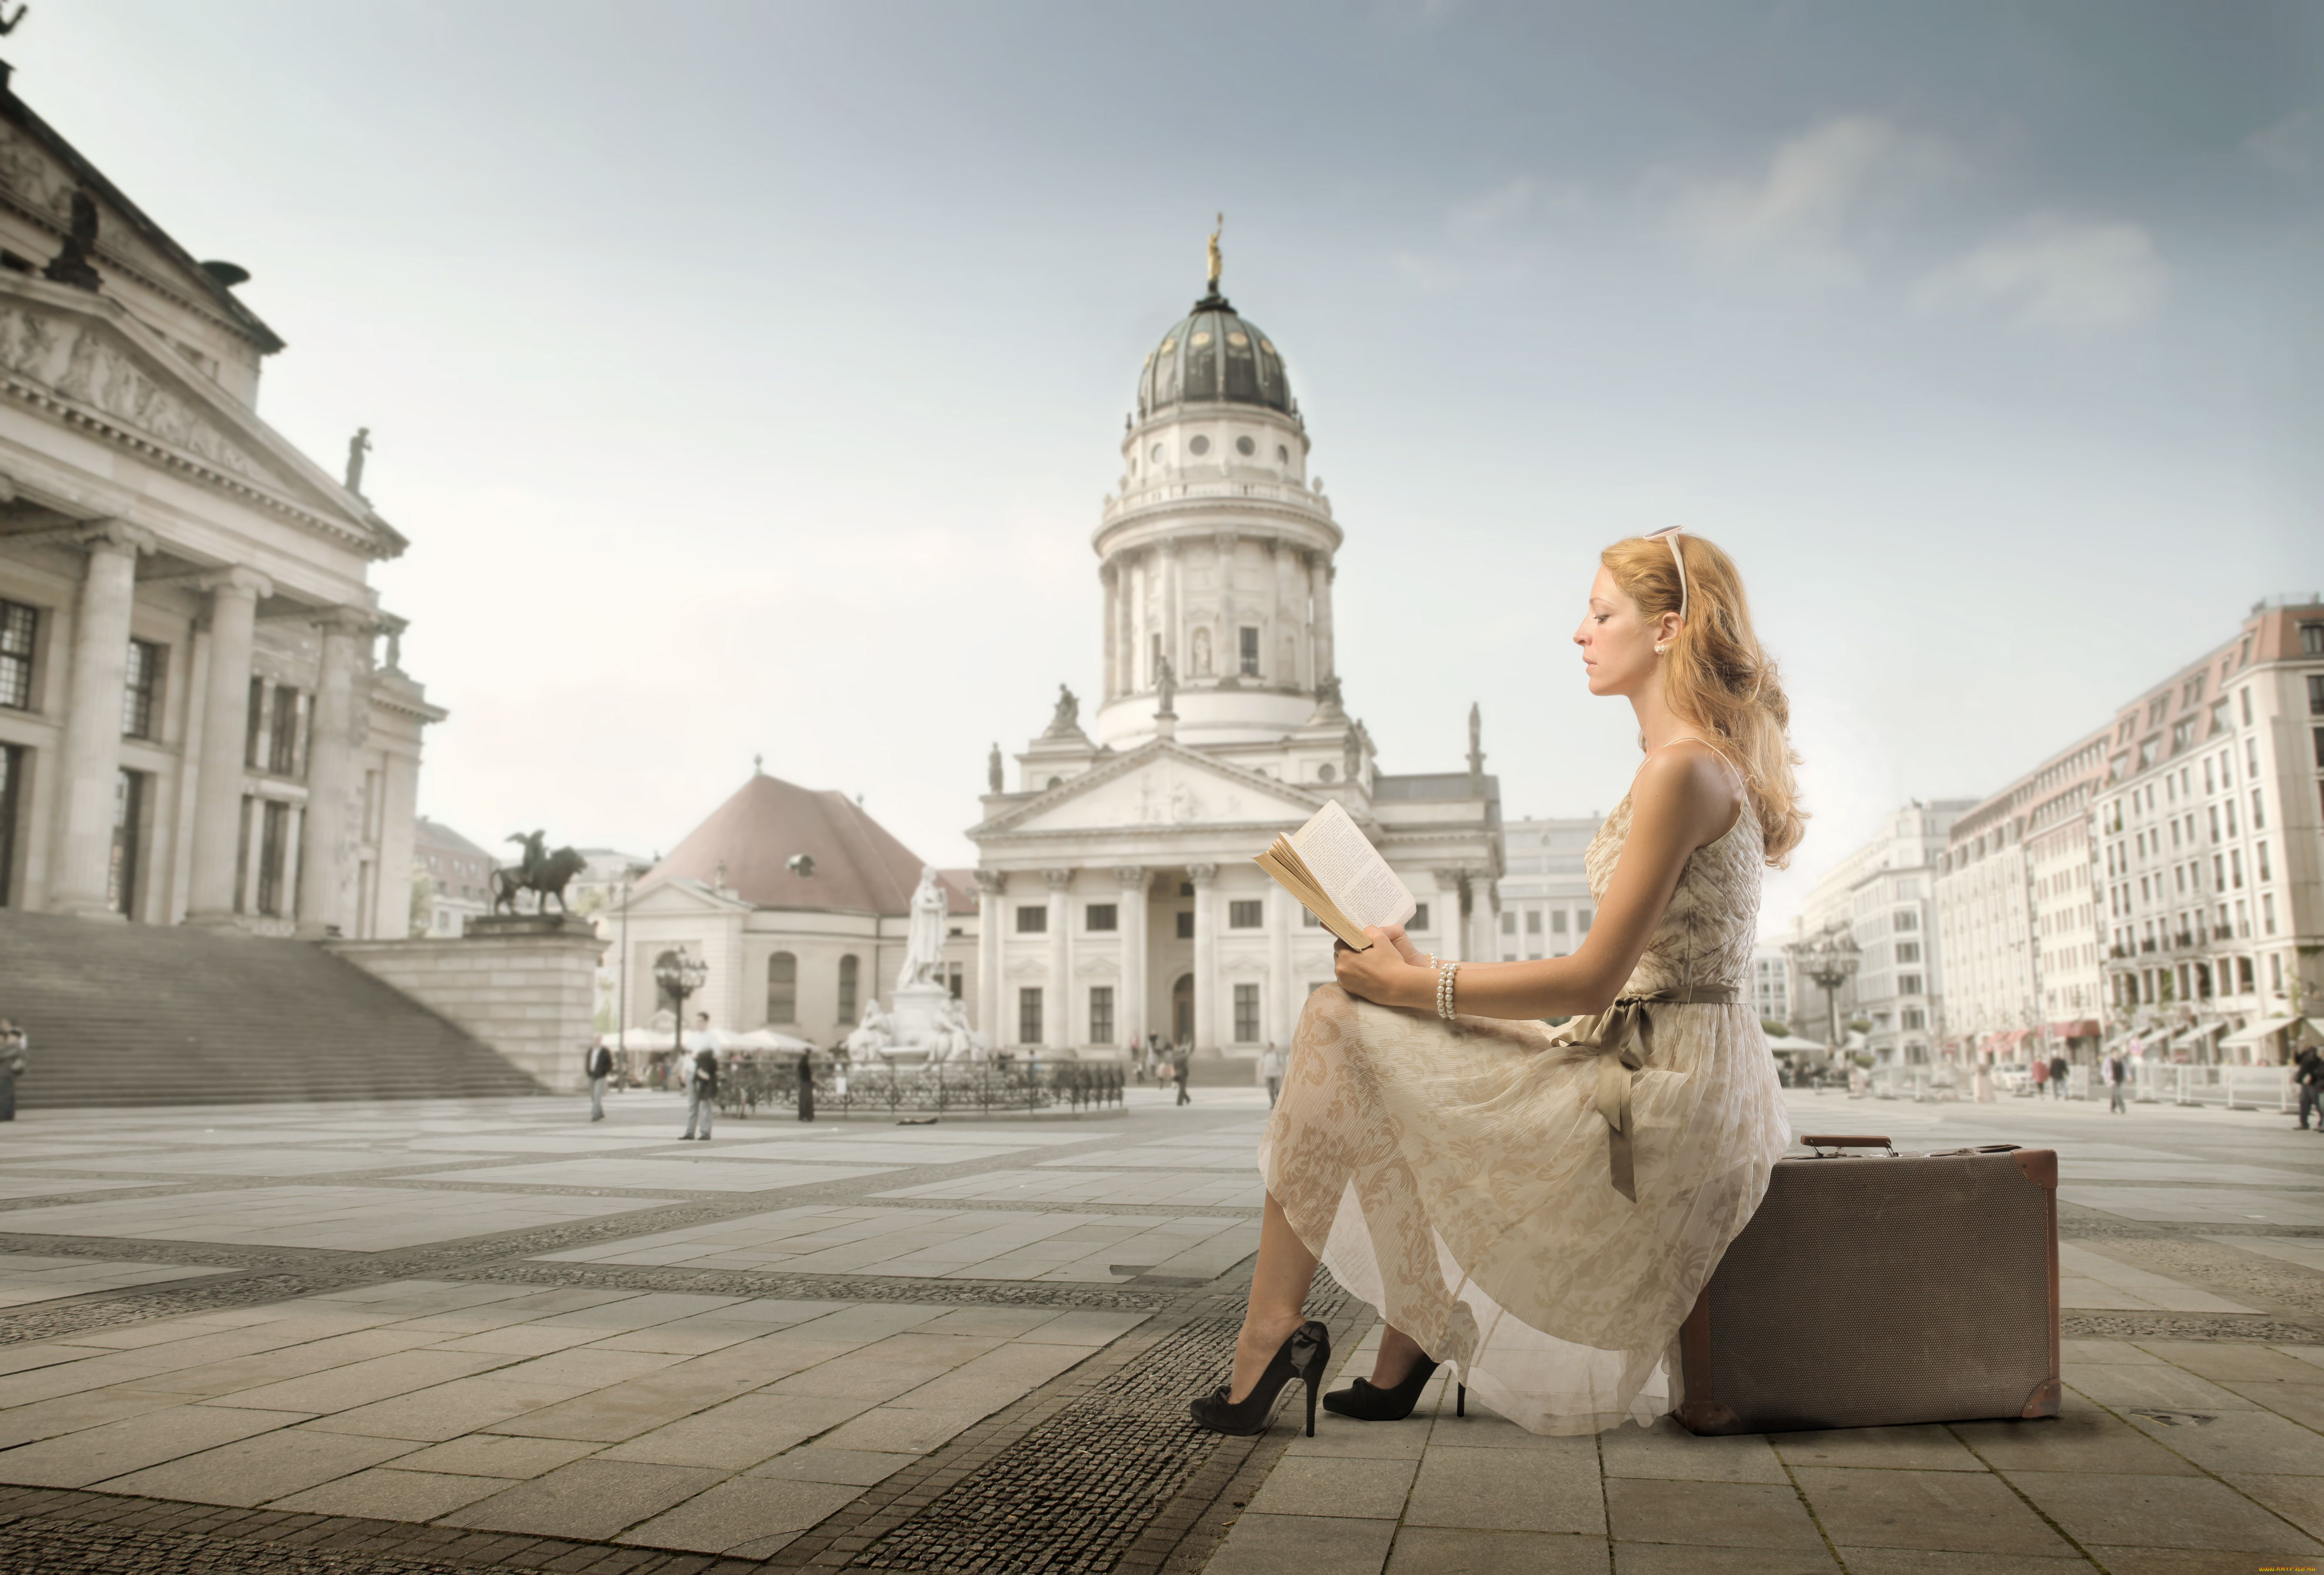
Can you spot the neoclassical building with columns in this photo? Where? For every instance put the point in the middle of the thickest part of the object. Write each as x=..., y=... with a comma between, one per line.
x=1117, y=894
x=192, y=724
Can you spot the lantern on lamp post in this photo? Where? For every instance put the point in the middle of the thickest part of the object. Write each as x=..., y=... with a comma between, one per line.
x=1828, y=962
x=681, y=976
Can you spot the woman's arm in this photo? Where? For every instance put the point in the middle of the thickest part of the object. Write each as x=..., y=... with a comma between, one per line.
x=1683, y=799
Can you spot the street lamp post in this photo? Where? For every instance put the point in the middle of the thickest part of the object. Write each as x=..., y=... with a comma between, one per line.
x=681, y=975
x=1829, y=961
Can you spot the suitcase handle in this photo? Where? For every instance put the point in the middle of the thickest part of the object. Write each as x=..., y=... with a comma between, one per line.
x=1826, y=1140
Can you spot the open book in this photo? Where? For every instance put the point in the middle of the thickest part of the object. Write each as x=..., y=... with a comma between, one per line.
x=1336, y=873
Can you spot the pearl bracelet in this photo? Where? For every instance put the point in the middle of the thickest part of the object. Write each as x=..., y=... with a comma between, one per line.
x=1446, y=974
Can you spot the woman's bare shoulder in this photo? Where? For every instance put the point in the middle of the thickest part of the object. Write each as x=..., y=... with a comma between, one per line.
x=1692, y=783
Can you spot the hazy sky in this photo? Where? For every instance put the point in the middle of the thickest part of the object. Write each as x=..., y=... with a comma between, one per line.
x=748, y=378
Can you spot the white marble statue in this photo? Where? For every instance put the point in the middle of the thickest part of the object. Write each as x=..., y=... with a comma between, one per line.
x=924, y=941
x=954, y=1040
x=872, y=1034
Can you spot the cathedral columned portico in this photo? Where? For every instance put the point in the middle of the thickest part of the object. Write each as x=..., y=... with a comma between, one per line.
x=1118, y=895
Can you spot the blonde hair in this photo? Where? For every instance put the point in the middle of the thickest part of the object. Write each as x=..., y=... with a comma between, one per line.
x=1716, y=676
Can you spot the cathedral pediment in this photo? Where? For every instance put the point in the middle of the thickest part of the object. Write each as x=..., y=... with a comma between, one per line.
x=1160, y=786
x=84, y=360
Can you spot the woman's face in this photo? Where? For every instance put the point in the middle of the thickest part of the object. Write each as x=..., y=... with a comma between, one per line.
x=1618, y=644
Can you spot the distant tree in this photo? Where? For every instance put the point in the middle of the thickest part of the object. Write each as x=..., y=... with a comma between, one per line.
x=423, y=902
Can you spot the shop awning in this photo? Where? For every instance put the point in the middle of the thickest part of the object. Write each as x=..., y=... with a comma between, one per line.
x=2076, y=1028
x=2258, y=1028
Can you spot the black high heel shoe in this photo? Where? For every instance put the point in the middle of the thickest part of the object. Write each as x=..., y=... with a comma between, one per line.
x=1368, y=1402
x=1305, y=1356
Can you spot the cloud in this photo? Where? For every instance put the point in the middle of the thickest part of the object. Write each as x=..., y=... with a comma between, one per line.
x=2291, y=146
x=2076, y=275
x=1809, y=211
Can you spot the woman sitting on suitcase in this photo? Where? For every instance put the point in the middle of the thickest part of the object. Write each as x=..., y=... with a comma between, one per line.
x=1540, y=1209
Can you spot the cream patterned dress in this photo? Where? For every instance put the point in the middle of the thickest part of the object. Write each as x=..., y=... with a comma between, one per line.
x=1456, y=1177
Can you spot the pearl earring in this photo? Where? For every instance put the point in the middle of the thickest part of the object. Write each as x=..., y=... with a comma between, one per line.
x=1660, y=649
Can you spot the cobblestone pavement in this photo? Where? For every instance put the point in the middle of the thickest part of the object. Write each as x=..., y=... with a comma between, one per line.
x=453, y=1337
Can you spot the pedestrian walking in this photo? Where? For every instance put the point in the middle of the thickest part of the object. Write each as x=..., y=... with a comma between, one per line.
x=2058, y=1070
x=2040, y=1071
x=1270, y=1067
x=14, y=1058
x=2117, y=1073
x=2308, y=1074
x=701, y=1078
x=599, y=1064
x=806, y=1085
x=1180, y=1068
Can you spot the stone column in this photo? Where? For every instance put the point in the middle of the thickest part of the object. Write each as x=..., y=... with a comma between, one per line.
x=1133, y=620
x=1172, y=646
x=1130, y=1024
x=1056, y=1028
x=225, y=696
x=330, y=776
x=1319, y=588
x=1283, y=1006
x=91, y=748
x=1451, y=941
x=1111, y=577
x=991, y=884
x=1206, y=958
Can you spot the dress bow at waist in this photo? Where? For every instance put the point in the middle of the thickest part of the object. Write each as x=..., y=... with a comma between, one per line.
x=1620, y=1038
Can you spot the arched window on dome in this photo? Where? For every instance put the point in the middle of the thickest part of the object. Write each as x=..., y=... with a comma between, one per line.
x=782, y=987
x=847, y=973
x=1201, y=665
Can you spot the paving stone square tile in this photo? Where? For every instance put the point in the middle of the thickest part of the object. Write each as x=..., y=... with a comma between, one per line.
x=2101, y=1353
x=362, y=1382
x=1282, y=1545
x=256, y=1470
x=2084, y=1441
x=746, y=1510
x=1494, y=1489
x=1437, y=1551
x=2089, y=1279
x=488, y=1454
x=2159, y=1512
x=1919, y=1448
x=2223, y=1361
x=114, y=1449
x=1240, y=1156
x=245, y=1159
x=2165, y=1388
x=2206, y=1206
x=1145, y=1189
x=2300, y=1499
x=29, y=1186
x=1347, y=1487
x=344, y=1218
x=1342, y=1437
x=386, y=1492
x=1711, y=1515
x=592, y=1500
x=890, y=1429
x=1919, y=1562
x=1953, y=1510
x=1678, y=1559
x=2302, y=1403
x=700, y=1173
x=539, y=1143
x=1669, y=1452
x=737, y=1434
x=26, y=1278
x=2237, y=1440
x=848, y=1149
x=816, y=1463
x=448, y=1410
x=1480, y=1430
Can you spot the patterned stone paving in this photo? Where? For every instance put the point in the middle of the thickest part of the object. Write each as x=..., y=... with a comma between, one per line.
x=432, y=1337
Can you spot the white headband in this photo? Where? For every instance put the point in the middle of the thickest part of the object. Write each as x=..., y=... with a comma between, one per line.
x=1669, y=533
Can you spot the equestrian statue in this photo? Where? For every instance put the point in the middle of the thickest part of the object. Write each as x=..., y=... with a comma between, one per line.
x=542, y=873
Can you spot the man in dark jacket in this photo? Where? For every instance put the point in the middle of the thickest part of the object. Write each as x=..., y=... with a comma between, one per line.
x=1180, y=1062
x=2308, y=1072
x=598, y=1062
x=2057, y=1077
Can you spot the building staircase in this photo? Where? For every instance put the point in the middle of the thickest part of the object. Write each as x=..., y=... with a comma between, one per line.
x=149, y=1015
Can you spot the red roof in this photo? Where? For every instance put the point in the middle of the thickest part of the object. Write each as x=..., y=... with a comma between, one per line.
x=859, y=867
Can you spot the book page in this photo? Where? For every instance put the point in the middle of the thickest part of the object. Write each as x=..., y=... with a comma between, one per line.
x=1350, y=870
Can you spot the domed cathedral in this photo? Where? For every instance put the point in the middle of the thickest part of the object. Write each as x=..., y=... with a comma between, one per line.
x=1118, y=897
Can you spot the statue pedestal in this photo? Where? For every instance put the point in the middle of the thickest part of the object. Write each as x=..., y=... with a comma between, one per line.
x=915, y=1015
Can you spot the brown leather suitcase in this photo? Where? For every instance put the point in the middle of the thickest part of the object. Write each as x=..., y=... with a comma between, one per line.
x=1871, y=1290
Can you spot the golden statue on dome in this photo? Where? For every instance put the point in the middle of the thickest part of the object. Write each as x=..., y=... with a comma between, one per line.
x=1214, y=254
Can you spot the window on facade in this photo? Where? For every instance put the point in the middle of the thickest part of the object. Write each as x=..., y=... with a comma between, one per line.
x=955, y=981
x=1420, y=917
x=282, y=731
x=1509, y=921
x=1908, y=984
x=1247, y=651
x=1906, y=918
x=1557, y=921
x=1581, y=921
x=1914, y=1017
x=2267, y=913
x=2311, y=640
x=1101, y=1024
x=140, y=690
x=273, y=847
x=2259, y=811
x=782, y=987
x=1908, y=951
x=1245, y=914
x=2319, y=746
x=1246, y=1014
x=253, y=731
x=18, y=625
x=1187, y=927
x=128, y=822
x=1029, y=1015
x=1533, y=921
x=2264, y=874
x=12, y=777
x=1099, y=918
x=848, y=972
x=1032, y=921
x=2316, y=694
x=2183, y=734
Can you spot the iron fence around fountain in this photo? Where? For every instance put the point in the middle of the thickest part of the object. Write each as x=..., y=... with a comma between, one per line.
x=751, y=1081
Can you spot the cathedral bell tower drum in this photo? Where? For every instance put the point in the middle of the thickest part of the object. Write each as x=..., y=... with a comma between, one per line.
x=1216, y=553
